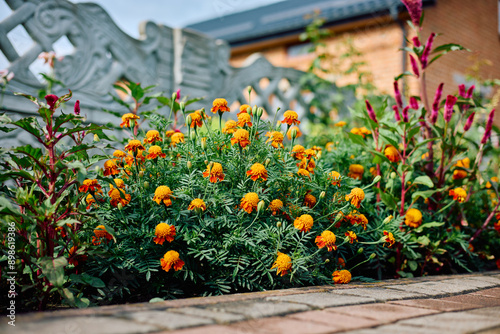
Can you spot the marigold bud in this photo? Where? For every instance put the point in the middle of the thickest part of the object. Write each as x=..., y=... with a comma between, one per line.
x=377, y=178
x=339, y=217
x=254, y=110
x=192, y=135
x=361, y=250
x=322, y=195
x=141, y=173
x=189, y=119
x=174, y=95
x=373, y=255
x=120, y=206
x=203, y=143
x=260, y=206
x=266, y=163
x=249, y=89
x=97, y=169
x=293, y=133
x=146, y=185
x=189, y=164
x=327, y=260
x=393, y=175
x=205, y=162
x=182, y=105
x=278, y=224
x=387, y=220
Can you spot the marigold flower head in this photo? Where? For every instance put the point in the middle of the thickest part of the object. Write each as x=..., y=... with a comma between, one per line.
x=458, y=194
x=127, y=118
x=119, y=183
x=90, y=200
x=352, y=236
x=220, y=105
x=163, y=232
x=298, y=152
x=240, y=137
x=152, y=136
x=197, y=204
x=413, y=218
x=361, y=131
x=177, y=138
x=215, y=172
x=356, y=196
x=257, y=170
x=101, y=234
x=119, y=196
x=139, y=157
x=276, y=139
x=155, y=151
x=290, y=118
x=308, y=164
x=327, y=238
x=230, y=127
x=304, y=223
x=309, y=200
x=341, y=277
x=310, y=153
x=249, y=202
x=289, y=132
x=119, y=154
x=244, y=119
x=389, y=238
x=493, y=179
x=357, y=218
x=169, y=133
x=171, y=260
x=303, y=172
x=275, y=206
x=460, y=173
x=340, y=124
x=74, y=258
x=283, y=264
x=356, y=171
x=335, y=177
x=89, y=186
x=110, y=168
x=134, y=145
x=243, y=109
x=163, y=194
x=196, y=119
x=392, y=153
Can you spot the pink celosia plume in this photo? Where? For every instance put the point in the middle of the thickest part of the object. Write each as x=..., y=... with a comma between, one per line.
x=414, y=9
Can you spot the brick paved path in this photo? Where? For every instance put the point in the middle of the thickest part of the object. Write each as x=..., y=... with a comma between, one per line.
x=441, y=305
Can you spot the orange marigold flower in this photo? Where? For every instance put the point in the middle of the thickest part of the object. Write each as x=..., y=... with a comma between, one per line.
x=298, y=152
x=101, y=234
x=196, y=119
x=90, y=200
x=458, y=194
x=155, y=151
x=197, y=204
x=357, y=218
x=413, y=218
x=356, y=196
x=257, y=170
x=240, y=137
x=134, y=145
x=310, y=200
x=493, y=179
x=220, y=105
x=215, y=172
x=119, y=196
x=275, y=206
x=340, y=124
x=230, y=127
x=389, y=238
x=243, y=109
x=163, y=194
x=290, y=118
x=373, y=171
x=163, y=232
x=119, y=183
x=89, y=185
x=310, y=153
x=152, y=136
x=119, y=154
x=169, y=133
x=129, y=160
x=361, y=131
x=392, y=153
x=327, y=238
x=352, y=236
x=341, y=277
x=276, y=137
x=289, y=132
x=249, y=202
x=341, y=262
x=307, y=164
x=335, y=177
x=283, y=264
x=356, y=171
x=460, y=173
x=126, y=119
x=304, y=223
x=244, y=119
x=177, y=138
x=303, y=172
x=171, y=260
x=110, y=168
x=74, y=258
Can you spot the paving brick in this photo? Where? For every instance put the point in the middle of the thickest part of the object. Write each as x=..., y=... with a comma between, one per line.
x=283, y=325
x=382, y=312
x=211, y=329
x=167, y=320
x=488, y=311
x=340, y=321
x=258, y=309
x=492, y=293
x=79, y=325
x=494, y=330
x=461, y=322
x=380, y=294
x=470, y=283
x=474, y=299
x=219, y=317
x=495, y=279
x=432, y=288
x=402, y=329
x=436, y=304
x=324, y=299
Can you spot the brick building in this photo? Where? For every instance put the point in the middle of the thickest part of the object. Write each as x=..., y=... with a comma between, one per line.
x=378, y=29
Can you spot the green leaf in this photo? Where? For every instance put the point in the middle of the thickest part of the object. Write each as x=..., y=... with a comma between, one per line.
x=425, y=180
x=413, y=265
x=406, y=73
x=156, y=300
x=356, y=139
x=445, y=48
x=427, y=225
x=87, y=280
x=29, y=97
x=29, y=124
x=389, y=200
x=423, y=240
x=53, y=269
x=68, y=221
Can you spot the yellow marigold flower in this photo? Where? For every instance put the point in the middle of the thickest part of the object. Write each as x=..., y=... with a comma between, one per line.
x=365, y=131
x=220, y=105
x=169, y=133
x=134, y=145
x=389, y=238
x=352, y=236
x=119, y=154
x=307, y=164
x=196, y=119
x=303, y=172
x=304, y=223
x=163, y=194
x=356, y=171
x=460, y=173
x=373, y=171
x=283, y=264
x=230, y=127
x=458, y=194
x=330, y=146
x=341, y=277
x=89, y=185
x=276, y=137
x=155, y=151
x=275, y=206
x=340, y=124
x=129, y=160
x=310, y=200
x=361, y=131
x=289, y=132
x=310, y=153
x=163, y=232
x=249, y=202
x=413, y=218
x=177, y=138
x=493, y=179
x=327, y=238
x=101, y=234
x=290, y=118
x=240, y=137
x=152, y=136
x=356, y=196
x=257, y=170
x=335, y=176
x=119, y=196
x=126, y=119
x=110, y=168
x=197, y=204
x=119, y=183
x=357, y=218
x=298, y=152
x=215, y=172
x=171, y=260
x=90, y=200
x=392, y=153
x=244, y=119
x=243, y=109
